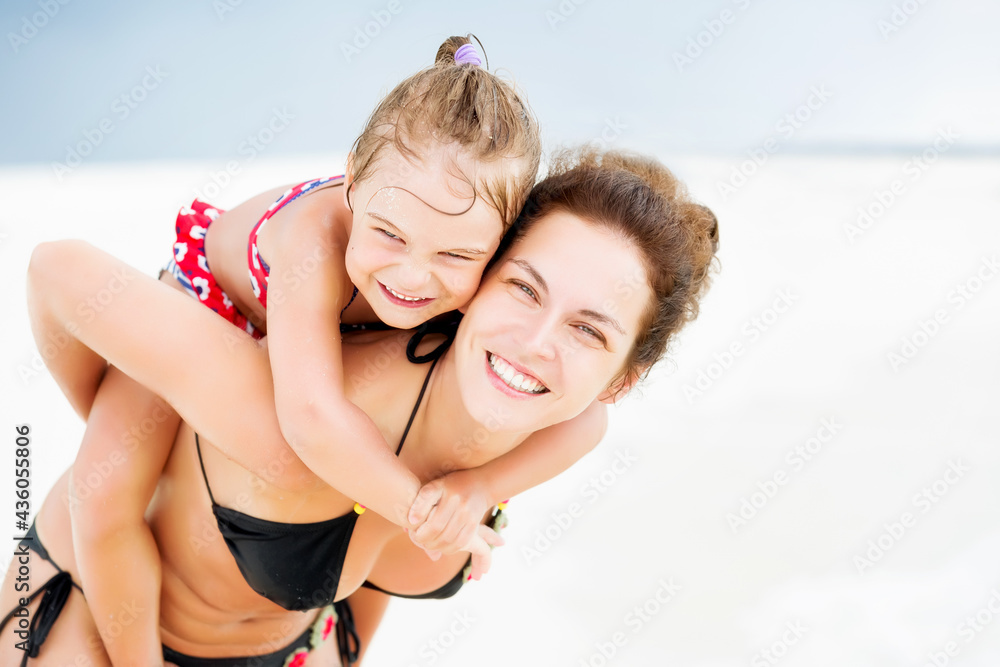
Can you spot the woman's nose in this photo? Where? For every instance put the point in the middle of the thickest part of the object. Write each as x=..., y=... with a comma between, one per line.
x=539, y=337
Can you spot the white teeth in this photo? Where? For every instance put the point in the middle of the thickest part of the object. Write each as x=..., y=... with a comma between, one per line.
x=403, y=296
x=514, y=379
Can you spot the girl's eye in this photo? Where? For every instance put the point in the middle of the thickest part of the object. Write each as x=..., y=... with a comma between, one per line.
x=389, y=234
x=451, y=254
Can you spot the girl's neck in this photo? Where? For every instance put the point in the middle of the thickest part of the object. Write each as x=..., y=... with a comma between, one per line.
x=446, y=436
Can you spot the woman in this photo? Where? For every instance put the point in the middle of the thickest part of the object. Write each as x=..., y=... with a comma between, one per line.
x=608, y=260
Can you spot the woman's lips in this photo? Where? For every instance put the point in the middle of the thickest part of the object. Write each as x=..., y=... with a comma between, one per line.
x=511, y=379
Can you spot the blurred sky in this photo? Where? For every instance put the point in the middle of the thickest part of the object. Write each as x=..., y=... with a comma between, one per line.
x=891, y=72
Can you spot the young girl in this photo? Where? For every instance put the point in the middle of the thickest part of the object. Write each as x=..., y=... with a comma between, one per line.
x=439, y=173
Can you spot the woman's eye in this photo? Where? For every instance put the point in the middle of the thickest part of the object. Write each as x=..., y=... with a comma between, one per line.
x=524, y=288
x=591, y=332
x=389, y=234
x=451, y=254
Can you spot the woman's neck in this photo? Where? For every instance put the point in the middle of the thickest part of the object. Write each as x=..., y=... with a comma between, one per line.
x=446, y=436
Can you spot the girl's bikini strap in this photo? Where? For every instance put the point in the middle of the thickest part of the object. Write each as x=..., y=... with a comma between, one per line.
x=201, y=462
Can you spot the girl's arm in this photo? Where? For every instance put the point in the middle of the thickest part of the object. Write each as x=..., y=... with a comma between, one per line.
x=468, y=494
x=228, y=376
x=129, y=435
x=307, y=289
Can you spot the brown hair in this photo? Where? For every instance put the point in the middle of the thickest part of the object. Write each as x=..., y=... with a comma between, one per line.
x=640, y=200
x=466, y=105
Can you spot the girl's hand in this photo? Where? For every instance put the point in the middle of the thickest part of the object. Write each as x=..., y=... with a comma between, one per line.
x=447, y=513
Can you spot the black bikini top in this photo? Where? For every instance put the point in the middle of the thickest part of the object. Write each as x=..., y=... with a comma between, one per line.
x=298, y=565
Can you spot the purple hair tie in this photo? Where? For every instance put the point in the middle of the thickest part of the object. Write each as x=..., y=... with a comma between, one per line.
x=467, y=54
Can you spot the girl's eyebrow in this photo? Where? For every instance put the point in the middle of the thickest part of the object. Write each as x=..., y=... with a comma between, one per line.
x=468, y=251
x=381, y=218
x=586, y=312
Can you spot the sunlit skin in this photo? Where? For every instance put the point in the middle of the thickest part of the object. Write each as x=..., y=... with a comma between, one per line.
x=420, y=237
x=550, y=307
x=553, y=309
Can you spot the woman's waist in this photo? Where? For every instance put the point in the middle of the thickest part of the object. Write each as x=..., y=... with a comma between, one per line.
x=213, y=617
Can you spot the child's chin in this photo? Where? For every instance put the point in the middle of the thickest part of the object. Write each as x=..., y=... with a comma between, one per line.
x=398, y=320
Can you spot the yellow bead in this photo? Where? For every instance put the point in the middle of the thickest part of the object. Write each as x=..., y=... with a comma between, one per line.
x=359, y=508
x=501, y=506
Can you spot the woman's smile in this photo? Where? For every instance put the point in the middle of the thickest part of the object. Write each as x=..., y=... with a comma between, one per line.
x=515, y=378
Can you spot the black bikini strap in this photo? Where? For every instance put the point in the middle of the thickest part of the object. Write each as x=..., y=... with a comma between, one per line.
x=447, y=326
x=347, y=635
x=355, y=294
x=416, y=406
x=54, y=594
x=197, y=444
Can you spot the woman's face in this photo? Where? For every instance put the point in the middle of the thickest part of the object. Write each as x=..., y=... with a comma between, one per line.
x=551, y=325
x=420, y=239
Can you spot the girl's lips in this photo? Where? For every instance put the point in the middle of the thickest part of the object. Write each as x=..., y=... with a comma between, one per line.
x=500, y=384
x=406, y=303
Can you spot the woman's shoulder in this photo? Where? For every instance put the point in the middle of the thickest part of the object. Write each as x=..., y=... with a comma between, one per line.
x=377, y=359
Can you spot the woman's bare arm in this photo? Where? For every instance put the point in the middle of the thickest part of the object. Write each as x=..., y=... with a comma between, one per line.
x=129, y=435
x=468, y=494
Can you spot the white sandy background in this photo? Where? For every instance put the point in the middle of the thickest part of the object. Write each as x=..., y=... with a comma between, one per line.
x=783, y=490
x=636, y=543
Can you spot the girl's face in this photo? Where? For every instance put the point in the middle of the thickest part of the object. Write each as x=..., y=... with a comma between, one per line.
x=420, y=237
x=551, y=326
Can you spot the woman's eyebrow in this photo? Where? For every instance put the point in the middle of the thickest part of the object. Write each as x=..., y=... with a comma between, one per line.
x=526, y=265
x=586, y=312
x=606, y=319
